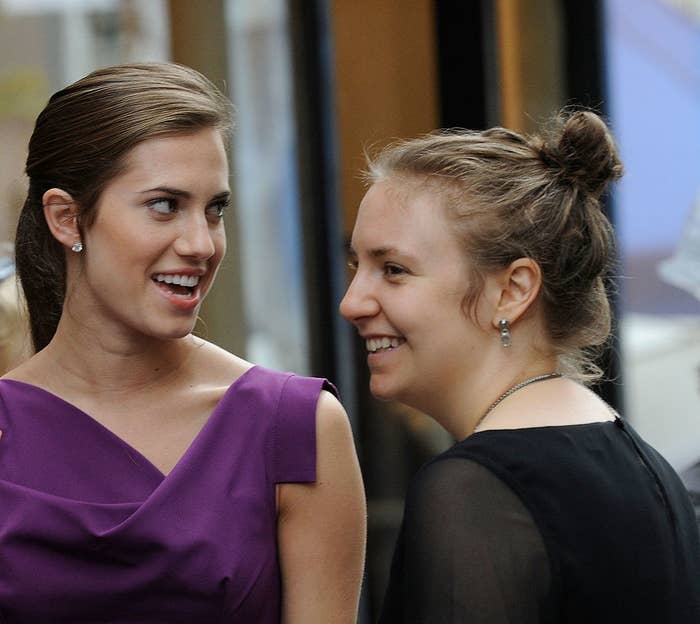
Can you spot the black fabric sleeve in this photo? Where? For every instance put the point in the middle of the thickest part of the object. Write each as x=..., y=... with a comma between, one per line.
x=691, y=480
x=468, y=552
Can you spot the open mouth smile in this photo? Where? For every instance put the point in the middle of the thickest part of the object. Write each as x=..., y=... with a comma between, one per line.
x=180, y=286
x=385, y=343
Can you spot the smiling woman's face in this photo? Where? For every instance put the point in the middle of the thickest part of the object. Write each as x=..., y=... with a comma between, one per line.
x=406, y=297
x=157, y=240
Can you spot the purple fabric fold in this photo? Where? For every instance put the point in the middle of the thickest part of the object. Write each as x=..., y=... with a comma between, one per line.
x=91, y=531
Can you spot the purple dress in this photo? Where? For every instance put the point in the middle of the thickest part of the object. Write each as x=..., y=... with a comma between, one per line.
x=91, y=531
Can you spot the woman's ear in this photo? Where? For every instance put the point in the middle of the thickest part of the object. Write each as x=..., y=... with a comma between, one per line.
x=61, y=214
x=515, y=289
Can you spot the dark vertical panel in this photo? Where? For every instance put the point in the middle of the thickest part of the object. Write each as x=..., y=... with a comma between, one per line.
x=463, y=70
x=586, y=82
x=584, y=62
x=331, y=354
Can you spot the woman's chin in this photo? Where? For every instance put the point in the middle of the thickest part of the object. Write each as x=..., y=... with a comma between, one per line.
x=381, y=390
x=174, y=332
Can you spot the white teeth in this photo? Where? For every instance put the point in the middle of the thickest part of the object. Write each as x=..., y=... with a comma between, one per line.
x=181, y=280
x=375, y=344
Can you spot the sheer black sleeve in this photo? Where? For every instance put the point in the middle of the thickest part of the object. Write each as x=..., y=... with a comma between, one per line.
x=468, y=552
x=691, y=480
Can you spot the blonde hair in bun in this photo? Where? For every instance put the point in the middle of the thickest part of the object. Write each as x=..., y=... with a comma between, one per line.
x=514, y=196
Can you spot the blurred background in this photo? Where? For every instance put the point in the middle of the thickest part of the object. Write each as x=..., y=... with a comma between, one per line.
x=316, y=82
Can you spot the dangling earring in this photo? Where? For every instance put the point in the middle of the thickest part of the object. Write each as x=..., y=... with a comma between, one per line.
x=77, y=247
x=505, y=333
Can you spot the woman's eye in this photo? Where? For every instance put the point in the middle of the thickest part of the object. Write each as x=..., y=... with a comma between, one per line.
x=394, y=270
x=352, y=265
x=218, y=209
x=163, y=205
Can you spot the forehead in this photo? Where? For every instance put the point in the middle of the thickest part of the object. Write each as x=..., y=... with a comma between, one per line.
x=403, y=212
x=196, y=157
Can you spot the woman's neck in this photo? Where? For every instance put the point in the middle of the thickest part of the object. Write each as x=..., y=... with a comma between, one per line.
x=103, y=362
x=461, y=405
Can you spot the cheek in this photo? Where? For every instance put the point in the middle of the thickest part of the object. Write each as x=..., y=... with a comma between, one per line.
x=449, y=306
x=119, y=237
x=481, y=313
x=220, y=243
x=120, y=252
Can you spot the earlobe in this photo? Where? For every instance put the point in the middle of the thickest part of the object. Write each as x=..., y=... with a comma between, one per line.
x=519, y=286
x=61, y=214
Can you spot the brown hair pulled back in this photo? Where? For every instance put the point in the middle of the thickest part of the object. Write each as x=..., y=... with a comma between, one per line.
x=80, y=142
x=537, y=197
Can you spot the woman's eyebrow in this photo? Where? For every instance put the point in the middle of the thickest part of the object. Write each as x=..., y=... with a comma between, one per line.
x=180, y=193
x=167, y=189
x=380, y=252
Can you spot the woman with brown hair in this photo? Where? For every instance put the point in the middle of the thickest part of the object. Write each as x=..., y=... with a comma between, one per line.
x=147, y=475
x=479, y=262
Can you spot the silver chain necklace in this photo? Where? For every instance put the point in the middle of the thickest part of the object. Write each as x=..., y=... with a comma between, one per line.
x=513, y=389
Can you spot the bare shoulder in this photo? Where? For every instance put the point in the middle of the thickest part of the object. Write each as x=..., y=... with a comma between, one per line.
x=553, y=403
x=330, y=414
x=336, y=458
x=216, y=366
x=583, y=405
x=30, y=371
x=208, y=374
x=334, y=436
x=322, y=526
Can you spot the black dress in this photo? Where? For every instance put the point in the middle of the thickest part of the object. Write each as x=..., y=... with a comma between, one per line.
x=691, y=480
x=579, y=524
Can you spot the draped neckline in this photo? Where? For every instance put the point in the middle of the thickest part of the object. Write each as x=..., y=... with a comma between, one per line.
x=131, y=450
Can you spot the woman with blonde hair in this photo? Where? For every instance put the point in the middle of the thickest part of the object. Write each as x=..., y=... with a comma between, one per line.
x=479, y=291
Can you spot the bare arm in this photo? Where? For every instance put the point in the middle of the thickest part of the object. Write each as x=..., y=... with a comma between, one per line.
x=321, y=528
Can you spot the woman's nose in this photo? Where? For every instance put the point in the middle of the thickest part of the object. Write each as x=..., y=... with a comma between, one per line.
x=359, y=301
x=196, y=239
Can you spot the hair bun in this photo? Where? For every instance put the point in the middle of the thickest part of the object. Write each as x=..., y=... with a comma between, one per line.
x=586, y=152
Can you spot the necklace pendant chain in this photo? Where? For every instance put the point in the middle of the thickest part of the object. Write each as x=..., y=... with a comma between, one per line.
x=513, y=389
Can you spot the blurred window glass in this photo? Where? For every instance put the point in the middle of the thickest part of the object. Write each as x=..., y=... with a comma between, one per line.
x=265, y=182
x=653, y=49
x=47, y=44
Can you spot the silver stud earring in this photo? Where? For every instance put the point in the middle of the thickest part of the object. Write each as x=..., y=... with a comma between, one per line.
x=506, y=340
x=77, y=247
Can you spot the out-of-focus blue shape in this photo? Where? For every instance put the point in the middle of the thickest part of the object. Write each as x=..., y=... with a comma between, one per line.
x=683, y=268
x=7, y=267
